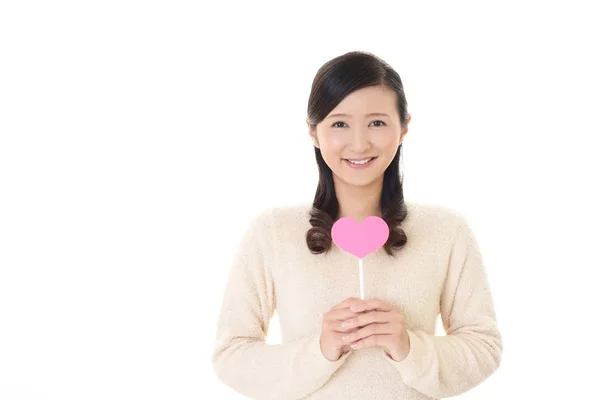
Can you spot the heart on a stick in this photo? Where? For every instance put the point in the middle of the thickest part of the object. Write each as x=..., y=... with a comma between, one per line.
x=360, y=239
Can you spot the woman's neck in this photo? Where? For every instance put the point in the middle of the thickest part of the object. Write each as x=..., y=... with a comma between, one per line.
x=358, y=202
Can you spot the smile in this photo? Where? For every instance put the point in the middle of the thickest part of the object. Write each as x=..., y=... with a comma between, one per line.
x=362, y=163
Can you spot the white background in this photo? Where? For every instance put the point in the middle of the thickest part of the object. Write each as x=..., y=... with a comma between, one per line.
x=139, y=138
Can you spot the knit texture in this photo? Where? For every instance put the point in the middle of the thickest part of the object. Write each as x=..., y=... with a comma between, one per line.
x=440, y=270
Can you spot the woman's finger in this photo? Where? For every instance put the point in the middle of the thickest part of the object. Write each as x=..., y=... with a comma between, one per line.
x=342, y=314
x=382, y=340
x=367, y=318
x=338, y=317
x=370, y=305
x=346, y=303
x=371, y=329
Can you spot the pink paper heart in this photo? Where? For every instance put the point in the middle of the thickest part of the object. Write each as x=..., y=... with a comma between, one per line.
x=360, y=239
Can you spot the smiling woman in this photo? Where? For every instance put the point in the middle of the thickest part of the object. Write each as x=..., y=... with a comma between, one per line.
x=335, y=345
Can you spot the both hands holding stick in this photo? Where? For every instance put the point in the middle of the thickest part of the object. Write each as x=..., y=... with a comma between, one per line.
x=359, y=324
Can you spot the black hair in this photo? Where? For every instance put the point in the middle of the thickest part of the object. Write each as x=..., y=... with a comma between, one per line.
x=333, y=82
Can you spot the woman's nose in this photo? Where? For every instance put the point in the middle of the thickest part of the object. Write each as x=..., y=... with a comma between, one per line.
x=360, y=141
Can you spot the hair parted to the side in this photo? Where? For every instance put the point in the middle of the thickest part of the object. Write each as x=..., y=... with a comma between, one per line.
x=333, y=82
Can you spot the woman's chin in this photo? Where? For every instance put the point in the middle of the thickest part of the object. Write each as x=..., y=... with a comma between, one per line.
x=359, y=182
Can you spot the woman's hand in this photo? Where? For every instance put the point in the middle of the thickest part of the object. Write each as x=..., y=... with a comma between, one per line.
x=380, y=324
x=331, y=342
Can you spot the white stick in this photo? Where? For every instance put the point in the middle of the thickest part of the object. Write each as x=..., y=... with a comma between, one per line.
x=360, y=269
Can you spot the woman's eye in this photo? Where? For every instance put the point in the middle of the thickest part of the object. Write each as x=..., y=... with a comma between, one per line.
x=335, y=124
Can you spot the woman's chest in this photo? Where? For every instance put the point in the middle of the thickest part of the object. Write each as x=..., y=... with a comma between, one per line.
x=308, y=285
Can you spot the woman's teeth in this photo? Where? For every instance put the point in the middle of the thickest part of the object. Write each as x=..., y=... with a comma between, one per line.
x=360, y=162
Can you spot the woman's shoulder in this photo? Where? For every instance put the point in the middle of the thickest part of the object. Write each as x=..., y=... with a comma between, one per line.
x=291, y=215
x=436, y=216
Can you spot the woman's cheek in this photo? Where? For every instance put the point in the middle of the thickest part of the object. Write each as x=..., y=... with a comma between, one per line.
x=337, y=143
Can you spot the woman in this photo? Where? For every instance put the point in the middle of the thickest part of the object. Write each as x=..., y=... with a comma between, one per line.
x=335, y=345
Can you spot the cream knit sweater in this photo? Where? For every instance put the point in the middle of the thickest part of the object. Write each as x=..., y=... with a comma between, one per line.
x=440, y=270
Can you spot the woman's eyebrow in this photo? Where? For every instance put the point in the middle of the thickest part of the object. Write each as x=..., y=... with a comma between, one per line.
x=368, y=115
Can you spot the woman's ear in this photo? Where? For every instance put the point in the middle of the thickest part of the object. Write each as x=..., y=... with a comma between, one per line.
x=313, y=134
x=405, y=129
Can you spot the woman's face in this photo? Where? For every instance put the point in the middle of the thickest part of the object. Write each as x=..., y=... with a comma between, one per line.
x=369, y=129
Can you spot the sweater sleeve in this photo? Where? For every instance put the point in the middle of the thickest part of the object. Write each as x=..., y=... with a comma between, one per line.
x=241, y=358
x=446, y=366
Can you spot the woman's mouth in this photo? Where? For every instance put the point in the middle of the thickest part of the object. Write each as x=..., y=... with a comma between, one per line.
x=360, y=163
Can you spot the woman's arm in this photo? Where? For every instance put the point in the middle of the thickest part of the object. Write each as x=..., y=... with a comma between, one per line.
x=241, y=358
x=445, y=366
